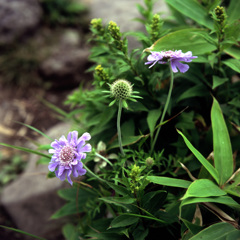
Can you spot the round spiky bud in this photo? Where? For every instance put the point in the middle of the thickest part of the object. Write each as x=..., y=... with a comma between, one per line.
x=149, y=161
x=121, y=89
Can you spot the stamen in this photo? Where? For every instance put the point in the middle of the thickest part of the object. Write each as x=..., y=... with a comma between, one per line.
x=66, y=155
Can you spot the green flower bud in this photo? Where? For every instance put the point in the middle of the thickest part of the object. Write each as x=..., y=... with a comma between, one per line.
x=121, y=89
x=220, y=14
x=97, y=25
x=101, y=73
x=114, y=31
x=155, y=27
x=149, y=161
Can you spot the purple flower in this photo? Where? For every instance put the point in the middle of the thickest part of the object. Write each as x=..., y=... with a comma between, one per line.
x=67, y=155
x=173, y=57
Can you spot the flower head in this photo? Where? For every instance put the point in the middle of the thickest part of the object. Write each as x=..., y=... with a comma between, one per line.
x=121, y=89
x=67, y=155
x=174, y=57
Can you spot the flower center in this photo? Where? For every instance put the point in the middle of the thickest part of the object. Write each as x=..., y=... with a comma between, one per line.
x=66, y=155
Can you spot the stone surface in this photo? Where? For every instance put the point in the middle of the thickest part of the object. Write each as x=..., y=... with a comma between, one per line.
x=65, y=67
x=32, y=198
x=17, y=18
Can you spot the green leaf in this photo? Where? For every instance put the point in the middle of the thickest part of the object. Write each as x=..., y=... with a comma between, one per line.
x=233, y=11
x=192, y=227
x=153, y=116
x=233, y=51
x=218, y=231
x=152, y=201
x=193, y=10
x=223, y=158
x=233, y=64
x=196, y=91
x=36, y=130
x=203, y=188
x=22, y=232
x=123, y=221
x=118, y=201
x=26, y=150
x=78, y=198
x=185, y=40
x=145, y=216
x=118, y=189
x=201, y=159
x=68, y=209
x=172, y=182
x=228, y=201
x=217, y=81
x=70, y=232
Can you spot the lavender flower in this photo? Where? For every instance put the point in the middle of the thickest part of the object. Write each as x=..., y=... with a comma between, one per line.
x=67, y=155
x=174, y=58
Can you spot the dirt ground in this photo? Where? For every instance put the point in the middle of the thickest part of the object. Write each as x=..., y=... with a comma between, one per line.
x=25, y=106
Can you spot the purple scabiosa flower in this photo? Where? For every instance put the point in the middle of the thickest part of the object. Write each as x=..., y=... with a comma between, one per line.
x=174, y=57
x=67, y=155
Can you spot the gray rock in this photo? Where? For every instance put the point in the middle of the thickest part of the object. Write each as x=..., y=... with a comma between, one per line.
x=32, y=198
x=65, y=67
x=17, y=18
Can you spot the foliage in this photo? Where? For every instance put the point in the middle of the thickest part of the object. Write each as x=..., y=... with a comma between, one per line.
x=64, y=12
x=177, y=171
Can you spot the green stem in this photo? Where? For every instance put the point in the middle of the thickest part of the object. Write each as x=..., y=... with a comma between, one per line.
x=119, y=128
x=165, y=109
x=103, y=158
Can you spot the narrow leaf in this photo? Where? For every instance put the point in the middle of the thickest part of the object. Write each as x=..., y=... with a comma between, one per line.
x=222, y=149
x=26, y=150
x=22, y=232
x=201, y=159
x=171, y=182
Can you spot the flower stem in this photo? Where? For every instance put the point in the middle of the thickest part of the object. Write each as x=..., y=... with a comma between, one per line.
x=119, y=128
x=165, y=109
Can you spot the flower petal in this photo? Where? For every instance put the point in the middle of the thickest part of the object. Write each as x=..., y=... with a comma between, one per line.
x=68, y=177
x=86, y=148
x=61, y=170
x=52, y=166
x=74, y=137
x=182, y=67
